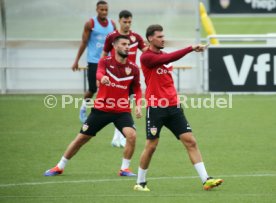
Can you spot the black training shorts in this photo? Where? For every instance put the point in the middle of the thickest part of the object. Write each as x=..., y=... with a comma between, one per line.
x=171, y=117
x=99, y=119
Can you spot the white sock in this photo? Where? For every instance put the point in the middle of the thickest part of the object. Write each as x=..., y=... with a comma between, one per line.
x=200, y=168
x=125, y=164
x=83, y=105
x=141, y=178
x=62, y=163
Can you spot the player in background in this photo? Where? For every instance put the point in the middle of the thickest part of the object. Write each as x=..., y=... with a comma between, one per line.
x=116, y=74
x=136, y=42
x=163, y=107
x=93, y=37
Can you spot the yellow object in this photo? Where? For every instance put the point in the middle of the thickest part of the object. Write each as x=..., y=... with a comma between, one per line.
x=207, y=23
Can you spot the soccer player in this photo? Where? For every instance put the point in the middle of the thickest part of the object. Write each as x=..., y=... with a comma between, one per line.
x=136, y=42
x=93, y=37
x=116, y=74
x=163, y=107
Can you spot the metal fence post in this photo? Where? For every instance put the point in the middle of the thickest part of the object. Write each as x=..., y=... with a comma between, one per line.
x=4, y=46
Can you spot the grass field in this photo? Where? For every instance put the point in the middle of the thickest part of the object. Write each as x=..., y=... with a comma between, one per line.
x=237, y=144
x=244, y=25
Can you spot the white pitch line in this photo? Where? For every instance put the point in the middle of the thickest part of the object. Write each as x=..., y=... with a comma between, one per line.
x=117, y=180
x=136, y=195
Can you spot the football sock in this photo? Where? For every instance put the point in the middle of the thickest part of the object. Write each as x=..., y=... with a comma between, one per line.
x=125, y=164
x=200, y=168
x=62, y=163
x=141, y=178
x=83, y=105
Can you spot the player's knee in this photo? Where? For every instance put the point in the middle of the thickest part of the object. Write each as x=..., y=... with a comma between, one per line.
x=151, y=148
x=131, y=136
x=189, y=140
x=192, y=143
x=82, y=139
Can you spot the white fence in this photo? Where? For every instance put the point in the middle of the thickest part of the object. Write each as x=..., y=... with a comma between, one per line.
x=43, y=66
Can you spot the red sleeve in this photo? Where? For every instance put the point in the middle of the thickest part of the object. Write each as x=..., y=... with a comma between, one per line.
x=141, y=43
x=137, y=88
x=101, y=70
x=108, y=44
x=152, y=60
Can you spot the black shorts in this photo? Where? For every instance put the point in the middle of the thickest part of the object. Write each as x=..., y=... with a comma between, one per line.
x=131, y=92
x=99, y=119
x=91, y=75
x=172, y=117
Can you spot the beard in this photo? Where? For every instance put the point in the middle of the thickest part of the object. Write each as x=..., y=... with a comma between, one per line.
x=123, y=54
x=159, y=47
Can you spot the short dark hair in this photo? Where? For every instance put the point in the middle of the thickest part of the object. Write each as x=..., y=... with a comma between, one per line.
x=125, y=14
x=117, y=38
x=101, y=2
x=152, y=28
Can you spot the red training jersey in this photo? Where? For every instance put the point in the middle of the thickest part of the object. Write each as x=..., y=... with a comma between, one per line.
x=136, y=41
x=157, y=69
x=114, y=97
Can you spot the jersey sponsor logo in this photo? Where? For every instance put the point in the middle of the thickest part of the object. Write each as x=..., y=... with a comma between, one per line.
x=161, y=71
x=85, y=127
x=128, y=70
x=112, y=84
x=153, y=131
x=132, y=38
x=99, y=45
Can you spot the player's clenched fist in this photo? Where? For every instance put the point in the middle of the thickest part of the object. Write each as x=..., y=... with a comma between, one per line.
x=199, y=47
x=105, y=80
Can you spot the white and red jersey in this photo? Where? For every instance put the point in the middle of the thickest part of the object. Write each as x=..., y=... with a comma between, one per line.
x=114, y=97
x=136, y=42
x=157, y=69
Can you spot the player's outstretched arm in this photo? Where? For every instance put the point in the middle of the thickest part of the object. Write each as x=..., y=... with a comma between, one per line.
x=152, y=60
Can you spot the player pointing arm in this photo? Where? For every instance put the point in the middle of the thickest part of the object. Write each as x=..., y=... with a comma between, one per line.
x=165, y=110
